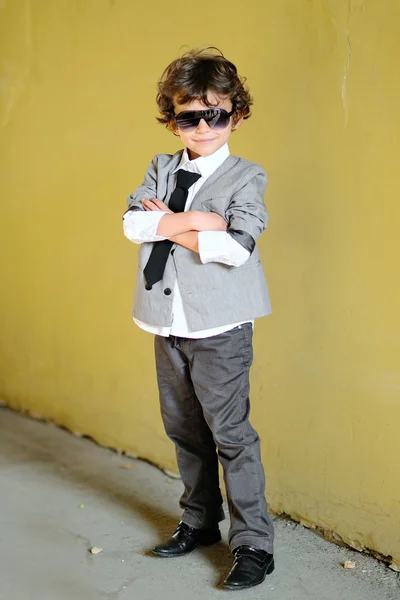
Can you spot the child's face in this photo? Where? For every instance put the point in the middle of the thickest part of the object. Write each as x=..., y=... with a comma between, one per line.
x=204, y=141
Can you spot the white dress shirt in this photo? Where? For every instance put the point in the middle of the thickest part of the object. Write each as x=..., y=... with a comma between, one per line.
x=214, y=246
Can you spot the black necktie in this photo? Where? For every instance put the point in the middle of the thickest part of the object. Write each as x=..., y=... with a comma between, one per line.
x=154, y=270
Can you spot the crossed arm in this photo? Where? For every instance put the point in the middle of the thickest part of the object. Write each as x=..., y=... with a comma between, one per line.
x=229, y=240
x=183, y=228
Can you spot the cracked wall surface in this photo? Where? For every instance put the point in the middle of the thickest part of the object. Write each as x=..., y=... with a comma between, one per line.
x=77, y=131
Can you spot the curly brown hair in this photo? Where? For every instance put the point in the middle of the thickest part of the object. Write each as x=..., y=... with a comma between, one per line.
x=196, y=73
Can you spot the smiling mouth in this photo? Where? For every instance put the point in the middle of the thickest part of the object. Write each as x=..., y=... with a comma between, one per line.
x=204, y=141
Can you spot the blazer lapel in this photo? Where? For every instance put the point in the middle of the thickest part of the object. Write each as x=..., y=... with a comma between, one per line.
x=170, y=176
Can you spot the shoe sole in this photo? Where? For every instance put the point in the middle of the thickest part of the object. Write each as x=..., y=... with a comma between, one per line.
x=202, y=543
x=270, y=570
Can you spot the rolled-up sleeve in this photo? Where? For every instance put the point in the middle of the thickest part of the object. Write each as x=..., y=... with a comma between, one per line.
x=219, y=246
x=247, y=218
x=247, y=214
x=141, y=226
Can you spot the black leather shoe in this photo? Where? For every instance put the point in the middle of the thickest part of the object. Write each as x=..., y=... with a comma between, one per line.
x=250, y=568
x=185, y=539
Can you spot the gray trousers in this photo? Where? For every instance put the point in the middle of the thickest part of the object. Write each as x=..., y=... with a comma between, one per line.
x=204, y=396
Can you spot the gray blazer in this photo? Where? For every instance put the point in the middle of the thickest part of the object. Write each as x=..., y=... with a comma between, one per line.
x=213, y=294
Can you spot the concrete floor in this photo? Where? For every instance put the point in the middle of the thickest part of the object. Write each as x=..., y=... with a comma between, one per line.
x=46, y=474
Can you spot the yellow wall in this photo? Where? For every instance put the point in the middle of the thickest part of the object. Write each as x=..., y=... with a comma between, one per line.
x=77, y=132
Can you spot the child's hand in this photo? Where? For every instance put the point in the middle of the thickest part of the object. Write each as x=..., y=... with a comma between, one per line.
x=208, y=221
x=155, y=204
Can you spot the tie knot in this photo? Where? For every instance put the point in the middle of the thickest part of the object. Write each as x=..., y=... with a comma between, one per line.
x=186, y=179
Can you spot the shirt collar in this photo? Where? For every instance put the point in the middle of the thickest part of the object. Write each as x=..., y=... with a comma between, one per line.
x=204, y=165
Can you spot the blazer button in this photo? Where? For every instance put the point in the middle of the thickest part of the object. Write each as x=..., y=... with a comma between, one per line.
x=167, y=291
x=148, y=287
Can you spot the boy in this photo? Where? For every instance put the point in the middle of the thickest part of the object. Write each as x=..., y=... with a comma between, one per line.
x=200, y=285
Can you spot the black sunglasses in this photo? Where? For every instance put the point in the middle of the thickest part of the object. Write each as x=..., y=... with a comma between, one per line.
x=216, y=118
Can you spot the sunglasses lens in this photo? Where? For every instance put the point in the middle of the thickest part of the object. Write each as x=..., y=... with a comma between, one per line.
x=187, y=121
x=218, y=121
x=215, y=118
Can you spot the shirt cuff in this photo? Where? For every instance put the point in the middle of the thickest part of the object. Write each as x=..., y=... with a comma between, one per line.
x=219, y=246
x=141, y=226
